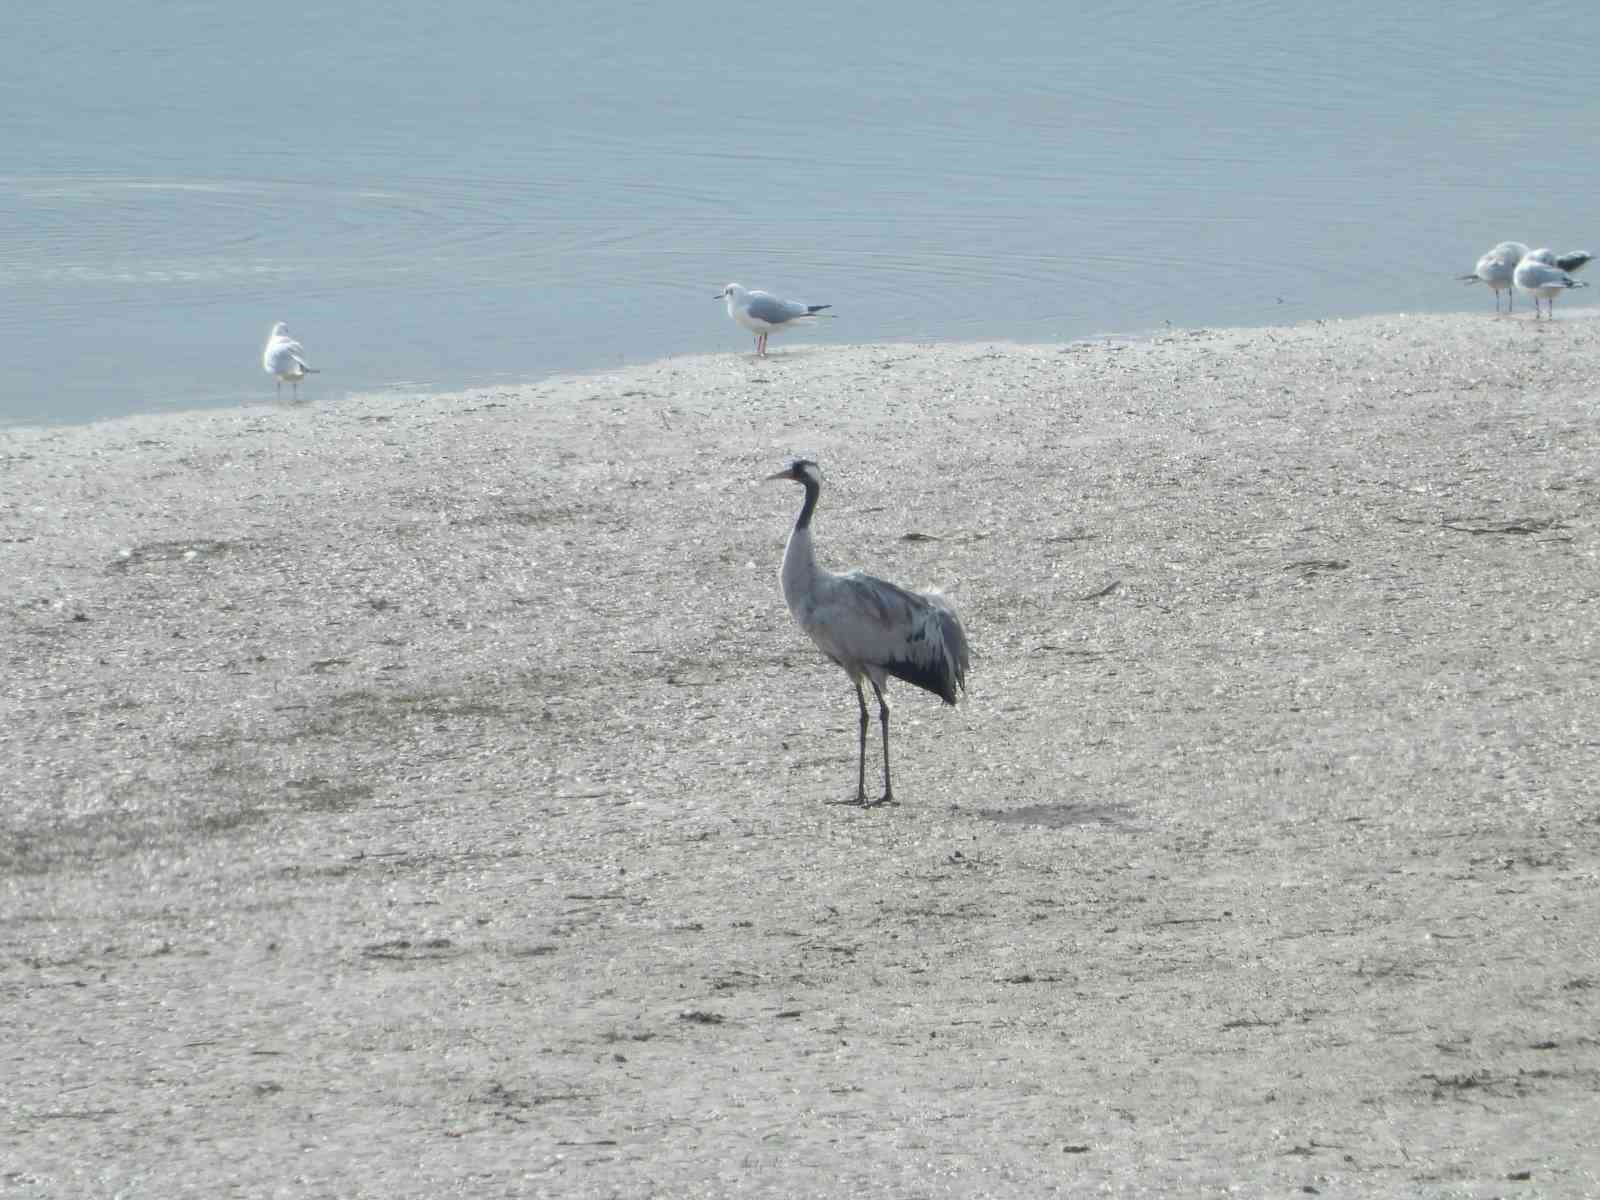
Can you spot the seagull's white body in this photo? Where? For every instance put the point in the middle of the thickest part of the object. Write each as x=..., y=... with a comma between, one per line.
x=1538, y=275
x=763, y=313
x=1496, y=268
x=285, y=359
x=870, y=627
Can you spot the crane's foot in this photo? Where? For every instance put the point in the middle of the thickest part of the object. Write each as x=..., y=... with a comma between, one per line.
x=861, y=800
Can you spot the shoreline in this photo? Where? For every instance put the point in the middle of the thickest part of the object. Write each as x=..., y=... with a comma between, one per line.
x=1575, y=314
x=425, y=788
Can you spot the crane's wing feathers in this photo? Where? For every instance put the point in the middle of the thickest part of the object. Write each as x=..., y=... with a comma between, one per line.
x=878, y=625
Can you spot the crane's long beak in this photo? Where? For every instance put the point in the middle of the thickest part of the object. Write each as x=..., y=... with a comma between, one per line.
x=786, y=473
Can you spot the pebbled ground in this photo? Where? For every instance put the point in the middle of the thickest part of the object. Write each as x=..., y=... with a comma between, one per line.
x=429, y=796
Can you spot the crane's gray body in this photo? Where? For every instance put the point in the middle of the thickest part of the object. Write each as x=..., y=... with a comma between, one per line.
x=871, y=628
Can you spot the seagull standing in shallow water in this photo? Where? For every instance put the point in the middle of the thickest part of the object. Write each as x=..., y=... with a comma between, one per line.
x=762, y=313
x=285, y=358
x=1496, y=268
x=1538, y=275
x=870, y=627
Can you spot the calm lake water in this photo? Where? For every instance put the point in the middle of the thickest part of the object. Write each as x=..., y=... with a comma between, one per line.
x=438, y=197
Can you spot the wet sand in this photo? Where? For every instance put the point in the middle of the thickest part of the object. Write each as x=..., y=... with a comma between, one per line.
x=431, y=796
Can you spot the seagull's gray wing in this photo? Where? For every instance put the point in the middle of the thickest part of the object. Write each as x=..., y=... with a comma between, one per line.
x=768, y=308
x=1537, y=274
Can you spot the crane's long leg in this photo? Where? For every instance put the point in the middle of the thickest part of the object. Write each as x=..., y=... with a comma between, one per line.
x=861, y=747
x=883, y=720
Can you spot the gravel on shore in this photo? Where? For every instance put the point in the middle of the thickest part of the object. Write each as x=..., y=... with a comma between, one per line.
x=430, y=796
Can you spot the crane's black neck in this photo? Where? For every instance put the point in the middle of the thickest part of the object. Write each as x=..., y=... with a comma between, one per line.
x=813, y=490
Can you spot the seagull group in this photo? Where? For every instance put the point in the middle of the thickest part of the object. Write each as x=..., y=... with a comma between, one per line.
x=760, y=312
x=1541, y=273
x=1507, y=267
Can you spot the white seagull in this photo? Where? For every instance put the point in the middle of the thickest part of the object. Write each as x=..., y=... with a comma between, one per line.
x=869, y=627
x=762, y=313
x=284, y=358
x=1538, y=275
x=1496, y=268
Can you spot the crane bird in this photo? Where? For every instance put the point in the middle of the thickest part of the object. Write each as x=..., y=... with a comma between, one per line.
x=1538, y=275
x=284, y=358
x=1496, y=268
x=762, y=313
x=869, y=627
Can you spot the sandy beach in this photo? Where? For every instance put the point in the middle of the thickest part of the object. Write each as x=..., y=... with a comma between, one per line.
x=431, y=796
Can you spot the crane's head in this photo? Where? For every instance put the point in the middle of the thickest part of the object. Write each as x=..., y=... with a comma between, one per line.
x=801, y=470
x=729, y=289
x=279, y=329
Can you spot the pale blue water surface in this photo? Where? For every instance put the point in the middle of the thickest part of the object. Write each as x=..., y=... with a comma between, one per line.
x=438, y=197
